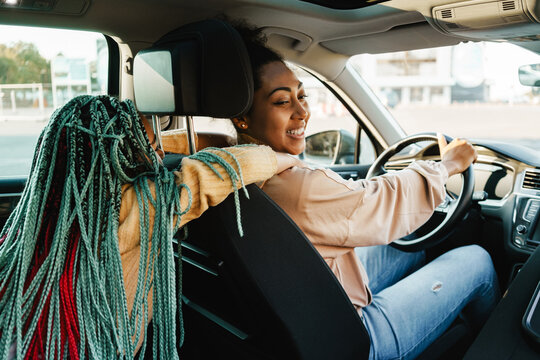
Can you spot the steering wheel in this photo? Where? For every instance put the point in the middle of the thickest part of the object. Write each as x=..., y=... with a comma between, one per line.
x=451, y=210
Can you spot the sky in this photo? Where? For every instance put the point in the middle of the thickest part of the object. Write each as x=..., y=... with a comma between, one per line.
x=74, y=44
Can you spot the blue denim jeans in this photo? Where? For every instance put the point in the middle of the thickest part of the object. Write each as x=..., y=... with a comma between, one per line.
x=413, y=304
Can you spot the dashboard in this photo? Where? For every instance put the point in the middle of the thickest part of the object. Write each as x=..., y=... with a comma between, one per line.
x=507, y=186
x=495, y=179
x=510, y=177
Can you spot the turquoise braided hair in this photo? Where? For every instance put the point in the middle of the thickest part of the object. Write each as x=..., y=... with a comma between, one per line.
x=61, y=283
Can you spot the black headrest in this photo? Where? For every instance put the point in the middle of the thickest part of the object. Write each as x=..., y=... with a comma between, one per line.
x=200, y=69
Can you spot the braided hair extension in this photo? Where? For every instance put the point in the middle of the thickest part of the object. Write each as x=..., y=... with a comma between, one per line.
x=61, y=283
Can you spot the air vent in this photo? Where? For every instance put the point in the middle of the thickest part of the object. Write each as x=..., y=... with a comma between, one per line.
x=508, y=5
x=447, y=14
x=531, y=180
x=395, y=166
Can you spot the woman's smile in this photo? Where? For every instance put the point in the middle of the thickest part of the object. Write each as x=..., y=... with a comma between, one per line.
x=296, y=133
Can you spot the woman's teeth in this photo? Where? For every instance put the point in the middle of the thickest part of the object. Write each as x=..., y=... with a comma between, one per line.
x=296, y=132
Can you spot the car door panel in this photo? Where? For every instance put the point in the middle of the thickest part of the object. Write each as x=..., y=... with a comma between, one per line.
x=10, y=192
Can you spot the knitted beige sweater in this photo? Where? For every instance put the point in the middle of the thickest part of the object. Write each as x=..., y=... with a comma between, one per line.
x=257, y=164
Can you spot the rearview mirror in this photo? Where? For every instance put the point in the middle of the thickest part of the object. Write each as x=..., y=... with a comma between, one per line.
x=330, y=147
x=529, y=75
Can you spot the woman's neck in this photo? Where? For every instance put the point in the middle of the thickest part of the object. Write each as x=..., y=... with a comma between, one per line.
x=244, y=138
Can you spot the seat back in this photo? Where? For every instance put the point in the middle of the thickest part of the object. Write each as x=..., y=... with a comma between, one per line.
x=267, y=294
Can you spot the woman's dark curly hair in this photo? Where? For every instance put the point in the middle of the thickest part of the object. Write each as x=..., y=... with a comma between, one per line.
x=259, y=53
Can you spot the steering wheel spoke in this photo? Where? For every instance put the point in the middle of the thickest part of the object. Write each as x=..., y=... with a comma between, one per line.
x=447, y=206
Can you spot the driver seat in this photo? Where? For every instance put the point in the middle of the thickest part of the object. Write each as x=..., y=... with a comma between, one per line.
x=266, y=295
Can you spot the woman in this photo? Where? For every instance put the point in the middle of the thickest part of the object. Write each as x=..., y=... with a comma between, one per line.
x=408, y=304
x=98, y=207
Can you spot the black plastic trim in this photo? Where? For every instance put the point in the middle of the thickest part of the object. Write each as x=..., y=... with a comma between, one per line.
x=113, y=81
x=216, y=319
x=12, y=185
x=530, y=319
x=344, y=4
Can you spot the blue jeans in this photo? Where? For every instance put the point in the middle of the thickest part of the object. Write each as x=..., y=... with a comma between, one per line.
x=413, y=304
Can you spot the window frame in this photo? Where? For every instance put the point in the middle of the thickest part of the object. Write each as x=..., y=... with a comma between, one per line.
x=113, y=80
x=361, y=124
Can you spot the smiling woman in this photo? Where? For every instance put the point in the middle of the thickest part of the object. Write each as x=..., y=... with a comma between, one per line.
x=40, y=70
x=345, y=219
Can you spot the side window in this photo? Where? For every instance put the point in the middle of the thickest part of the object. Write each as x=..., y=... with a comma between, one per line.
x=331, y=133
x=40, y=70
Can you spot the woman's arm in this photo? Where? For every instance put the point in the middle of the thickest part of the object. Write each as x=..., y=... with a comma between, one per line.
x=338, y=212
x=257, y=163
x=334, y=211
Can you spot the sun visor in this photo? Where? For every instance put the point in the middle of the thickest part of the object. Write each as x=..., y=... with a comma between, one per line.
x=200, y=69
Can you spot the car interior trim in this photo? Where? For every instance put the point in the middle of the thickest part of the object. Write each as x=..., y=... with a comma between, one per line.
x=197, y=265
x=215, y=319
x=113, y=80
x=404, y=37
x=344, y=4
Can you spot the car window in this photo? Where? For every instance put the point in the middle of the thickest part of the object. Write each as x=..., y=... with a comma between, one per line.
x=332, y=130
x=40, y=70
x=469, y=90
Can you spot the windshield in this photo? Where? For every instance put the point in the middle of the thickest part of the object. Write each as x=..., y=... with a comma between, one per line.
x=469, y=90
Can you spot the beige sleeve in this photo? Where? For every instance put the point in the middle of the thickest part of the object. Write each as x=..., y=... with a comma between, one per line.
x=395, y=205
x=334, y=211
x=257, y=163
x=175, y=141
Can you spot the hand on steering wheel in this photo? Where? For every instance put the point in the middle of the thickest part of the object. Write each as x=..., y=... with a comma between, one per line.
x=456, y=156
x=451, y=210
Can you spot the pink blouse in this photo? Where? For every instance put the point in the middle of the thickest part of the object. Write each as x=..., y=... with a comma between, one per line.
x=338, y=215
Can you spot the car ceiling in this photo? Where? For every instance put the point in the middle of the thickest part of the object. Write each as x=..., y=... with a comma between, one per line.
x=146, y=20
x=300, y=30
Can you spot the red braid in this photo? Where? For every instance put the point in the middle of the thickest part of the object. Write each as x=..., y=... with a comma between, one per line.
x=69, y=323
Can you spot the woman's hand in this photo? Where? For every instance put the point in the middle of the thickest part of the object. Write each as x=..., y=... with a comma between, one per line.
x=286, y=161
x=456, y=156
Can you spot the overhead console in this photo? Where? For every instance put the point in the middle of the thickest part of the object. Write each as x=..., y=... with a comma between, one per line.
x=489, y=19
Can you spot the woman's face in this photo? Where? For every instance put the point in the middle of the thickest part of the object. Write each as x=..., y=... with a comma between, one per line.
x=280, y=112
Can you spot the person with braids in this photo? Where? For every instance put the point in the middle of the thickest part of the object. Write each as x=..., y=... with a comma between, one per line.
x=406, y=304
x=86, y=258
